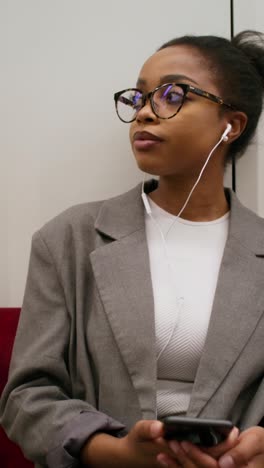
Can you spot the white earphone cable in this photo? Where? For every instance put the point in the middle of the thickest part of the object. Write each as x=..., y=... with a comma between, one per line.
x=197, y=182
x=180, y=299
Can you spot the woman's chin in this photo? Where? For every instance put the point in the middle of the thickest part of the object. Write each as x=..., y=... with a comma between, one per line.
x=148, y=165
x=149, y=170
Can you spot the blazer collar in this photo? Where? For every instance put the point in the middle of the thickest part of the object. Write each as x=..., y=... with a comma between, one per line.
x=122, y=215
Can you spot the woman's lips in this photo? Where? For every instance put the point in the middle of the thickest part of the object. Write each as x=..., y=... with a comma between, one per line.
x=145, y=140
x=145, y=144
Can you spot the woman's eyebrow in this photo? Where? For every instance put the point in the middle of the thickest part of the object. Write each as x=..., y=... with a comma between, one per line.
x=176, y=78
x=168, y=79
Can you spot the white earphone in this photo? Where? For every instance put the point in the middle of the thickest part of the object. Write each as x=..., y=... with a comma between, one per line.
x=227, y=130
x=146, y=203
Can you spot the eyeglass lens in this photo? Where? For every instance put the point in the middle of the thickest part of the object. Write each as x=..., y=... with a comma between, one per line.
x=166, y=101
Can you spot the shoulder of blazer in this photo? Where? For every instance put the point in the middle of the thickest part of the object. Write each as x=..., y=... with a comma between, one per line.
x=245, y=225
x=86, y=219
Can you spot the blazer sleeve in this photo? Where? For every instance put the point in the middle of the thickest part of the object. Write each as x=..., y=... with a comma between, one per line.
x=38, y=411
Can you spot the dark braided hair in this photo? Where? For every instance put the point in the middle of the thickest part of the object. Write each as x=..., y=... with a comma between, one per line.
x=238, y=69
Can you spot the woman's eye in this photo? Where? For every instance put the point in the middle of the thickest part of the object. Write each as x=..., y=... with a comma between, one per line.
x=173, y=98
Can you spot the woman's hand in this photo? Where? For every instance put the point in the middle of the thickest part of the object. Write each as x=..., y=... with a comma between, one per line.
x=146, y=447
x=249, y=451
x=238, y=451
x=190, y=456
x=143, y=447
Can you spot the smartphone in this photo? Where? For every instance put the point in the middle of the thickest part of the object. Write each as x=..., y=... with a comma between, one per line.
x=203, y=432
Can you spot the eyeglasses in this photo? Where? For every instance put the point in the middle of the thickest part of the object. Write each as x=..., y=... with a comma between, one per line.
x=165, y=100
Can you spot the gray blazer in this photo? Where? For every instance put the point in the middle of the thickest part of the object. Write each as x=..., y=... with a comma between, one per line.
x=84, y=356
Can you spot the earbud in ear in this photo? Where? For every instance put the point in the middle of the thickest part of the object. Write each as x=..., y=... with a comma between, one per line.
x=227, y=130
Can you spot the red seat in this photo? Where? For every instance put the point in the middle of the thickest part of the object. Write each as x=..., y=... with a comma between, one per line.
x=10, y=454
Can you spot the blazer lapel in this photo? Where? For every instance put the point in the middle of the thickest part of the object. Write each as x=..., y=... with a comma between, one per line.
x=238, y=296
x=122, y=273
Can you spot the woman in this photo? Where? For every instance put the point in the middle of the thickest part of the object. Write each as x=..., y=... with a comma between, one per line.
x=152, y=303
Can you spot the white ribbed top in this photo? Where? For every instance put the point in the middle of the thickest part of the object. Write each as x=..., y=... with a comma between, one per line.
x=184, y=271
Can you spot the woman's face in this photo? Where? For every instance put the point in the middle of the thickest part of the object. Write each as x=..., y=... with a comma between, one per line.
x=188, y=137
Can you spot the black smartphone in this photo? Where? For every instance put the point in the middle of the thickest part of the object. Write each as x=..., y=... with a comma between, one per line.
x=203, y=432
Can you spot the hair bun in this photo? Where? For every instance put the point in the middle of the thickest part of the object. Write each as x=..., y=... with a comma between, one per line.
x=252, y=44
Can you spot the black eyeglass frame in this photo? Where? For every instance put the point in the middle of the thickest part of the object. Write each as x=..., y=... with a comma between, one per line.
x=186, y=89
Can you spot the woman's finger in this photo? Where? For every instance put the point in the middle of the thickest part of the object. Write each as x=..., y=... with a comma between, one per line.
x=179, y=459
x=225, y=446
x=190, y=456
x=145, y=430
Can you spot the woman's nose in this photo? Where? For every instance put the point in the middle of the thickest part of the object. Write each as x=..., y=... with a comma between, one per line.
x=146, y=114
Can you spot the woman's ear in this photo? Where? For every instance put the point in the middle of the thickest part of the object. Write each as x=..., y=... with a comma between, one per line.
x=238, y=120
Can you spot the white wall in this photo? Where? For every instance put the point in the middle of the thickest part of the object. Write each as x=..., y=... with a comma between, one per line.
x=4, y=161
x=64, y=60
x=58, y=146
x=250, y=169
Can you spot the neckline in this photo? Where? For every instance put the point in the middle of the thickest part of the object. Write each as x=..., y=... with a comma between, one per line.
x=160, y=212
